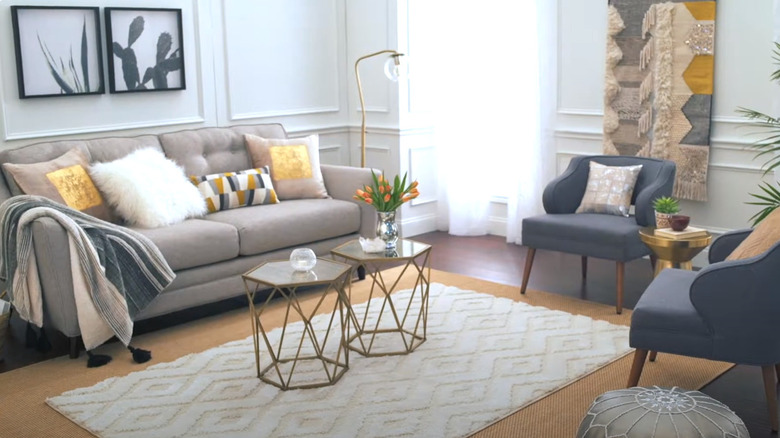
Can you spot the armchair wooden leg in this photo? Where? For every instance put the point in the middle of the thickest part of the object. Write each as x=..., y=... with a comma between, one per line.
x=636, y=367
x=777, y=371
x=584, y=267
x=770, y=390
x=621, y=269
x=529, y=261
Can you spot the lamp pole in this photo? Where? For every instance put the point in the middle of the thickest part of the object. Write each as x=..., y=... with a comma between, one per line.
x=395, y=55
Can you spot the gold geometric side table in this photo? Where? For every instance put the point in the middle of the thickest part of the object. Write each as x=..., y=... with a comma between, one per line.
x=305, y=356
x=390, y=326
x=673, y=253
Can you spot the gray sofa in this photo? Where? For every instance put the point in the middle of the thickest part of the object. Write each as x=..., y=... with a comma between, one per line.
x=210, y=253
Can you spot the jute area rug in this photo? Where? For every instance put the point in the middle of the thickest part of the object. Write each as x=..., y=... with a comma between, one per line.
x=24, y=391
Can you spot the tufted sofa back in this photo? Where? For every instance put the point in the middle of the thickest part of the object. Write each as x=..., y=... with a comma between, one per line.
x=198, y=151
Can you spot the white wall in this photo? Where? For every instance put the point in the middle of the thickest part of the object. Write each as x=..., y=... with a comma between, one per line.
x=292, y=62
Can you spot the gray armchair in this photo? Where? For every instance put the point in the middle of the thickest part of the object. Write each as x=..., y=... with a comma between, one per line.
x=726, y=311
x=596, y=235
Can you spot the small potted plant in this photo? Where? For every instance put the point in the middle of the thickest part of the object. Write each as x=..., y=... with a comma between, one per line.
x=665, y=207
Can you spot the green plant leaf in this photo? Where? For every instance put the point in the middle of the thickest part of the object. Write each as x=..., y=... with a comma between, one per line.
x=53, y=70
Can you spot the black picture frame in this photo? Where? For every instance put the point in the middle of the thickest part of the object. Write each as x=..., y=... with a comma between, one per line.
x=58, y=50
x=145, y=49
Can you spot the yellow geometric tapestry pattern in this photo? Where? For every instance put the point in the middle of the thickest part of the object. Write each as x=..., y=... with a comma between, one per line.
x=699, y=74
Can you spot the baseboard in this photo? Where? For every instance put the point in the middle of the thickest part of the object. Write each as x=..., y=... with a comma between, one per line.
x=418, y=225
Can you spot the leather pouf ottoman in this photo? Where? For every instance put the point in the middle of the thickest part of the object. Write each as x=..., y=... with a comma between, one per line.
x=659, y=412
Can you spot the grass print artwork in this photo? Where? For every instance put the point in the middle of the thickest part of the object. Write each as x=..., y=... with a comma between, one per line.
x=57, y=51
x=145, y=49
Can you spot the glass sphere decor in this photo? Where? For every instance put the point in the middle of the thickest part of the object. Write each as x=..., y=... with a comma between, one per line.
x=303, y=259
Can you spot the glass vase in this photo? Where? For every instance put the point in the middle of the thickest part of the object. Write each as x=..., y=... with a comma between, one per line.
x=386, y=228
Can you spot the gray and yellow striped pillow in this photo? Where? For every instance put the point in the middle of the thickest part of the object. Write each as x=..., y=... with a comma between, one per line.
x=223, y=191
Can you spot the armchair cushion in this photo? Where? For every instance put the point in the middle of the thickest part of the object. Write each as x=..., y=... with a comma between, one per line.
x=609, y=189
x=766, y=234
x=665, y=315
x=593, y=235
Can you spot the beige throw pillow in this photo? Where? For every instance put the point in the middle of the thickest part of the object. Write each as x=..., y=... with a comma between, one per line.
x=294, y=164
x=609, y=189
x=766, y=234
x=64, y=179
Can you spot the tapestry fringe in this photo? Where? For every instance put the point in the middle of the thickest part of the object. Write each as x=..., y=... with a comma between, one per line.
x=646, y=87
x=646, y=54
x=611, y=84
x=695, y=191
x=663, y=74
x=645, y=121
x=648, y=22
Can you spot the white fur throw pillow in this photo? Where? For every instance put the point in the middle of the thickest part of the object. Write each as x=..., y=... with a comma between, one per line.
x=147, y=189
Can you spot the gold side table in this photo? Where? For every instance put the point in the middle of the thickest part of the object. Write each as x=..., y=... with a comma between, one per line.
x=673, y=253
x=319, y=356
x=397, y=326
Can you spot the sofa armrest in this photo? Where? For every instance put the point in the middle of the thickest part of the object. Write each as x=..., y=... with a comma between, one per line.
x=50, y=245
x=341, y=183
x=725, y=244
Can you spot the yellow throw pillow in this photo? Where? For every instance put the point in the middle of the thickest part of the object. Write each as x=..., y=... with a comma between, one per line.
x=294, y=164
x=223, y=191
x=609, y=189
x=65, y=180
x=766, y=234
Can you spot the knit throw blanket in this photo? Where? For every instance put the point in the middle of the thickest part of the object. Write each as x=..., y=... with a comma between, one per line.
x=116, y=272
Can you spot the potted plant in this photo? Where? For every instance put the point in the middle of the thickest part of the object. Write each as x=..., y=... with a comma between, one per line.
x=769, y=146
x=665, y=207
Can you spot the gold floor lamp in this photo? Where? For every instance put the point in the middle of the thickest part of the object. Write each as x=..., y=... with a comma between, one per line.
x=392, y=71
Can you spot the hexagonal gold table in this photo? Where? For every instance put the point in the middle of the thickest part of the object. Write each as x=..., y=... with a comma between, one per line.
x=673, y=253
x=320, y=356
x=395, y=326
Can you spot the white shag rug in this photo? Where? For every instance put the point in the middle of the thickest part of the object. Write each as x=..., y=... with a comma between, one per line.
x=484, y=358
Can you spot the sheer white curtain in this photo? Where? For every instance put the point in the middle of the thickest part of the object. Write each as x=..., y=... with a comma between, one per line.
x=494, y=84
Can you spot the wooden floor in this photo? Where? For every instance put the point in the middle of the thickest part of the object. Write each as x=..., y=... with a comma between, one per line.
x=491, y=258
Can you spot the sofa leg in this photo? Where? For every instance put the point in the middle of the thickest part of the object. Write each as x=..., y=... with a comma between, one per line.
x=636, y=367
x=777, y=371
x=584, y=267
x=653, y=354
x=621, y=269
x=529, y=261
x=361, y=272
x=770, y=390
x=75, y=342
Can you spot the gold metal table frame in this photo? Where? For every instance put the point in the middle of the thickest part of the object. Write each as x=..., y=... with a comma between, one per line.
x=673, y=253
x=325, y=357
x=407, y=328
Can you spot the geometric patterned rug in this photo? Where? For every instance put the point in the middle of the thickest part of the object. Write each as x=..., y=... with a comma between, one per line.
x=485, y=357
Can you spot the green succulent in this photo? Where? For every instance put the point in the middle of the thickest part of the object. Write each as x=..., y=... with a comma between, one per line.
x=666, y=204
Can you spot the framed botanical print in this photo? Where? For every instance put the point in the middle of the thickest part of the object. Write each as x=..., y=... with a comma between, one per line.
x=144, y=48
x=58, y=50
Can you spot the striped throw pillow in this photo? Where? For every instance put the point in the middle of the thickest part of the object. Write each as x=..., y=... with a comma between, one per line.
x=223, y=191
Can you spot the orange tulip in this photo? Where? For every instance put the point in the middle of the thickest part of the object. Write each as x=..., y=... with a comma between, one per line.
x=413, y=185
x=387, y=197
x=369, y=200
x=406, y=198
x=360, y=193
x=381, y=189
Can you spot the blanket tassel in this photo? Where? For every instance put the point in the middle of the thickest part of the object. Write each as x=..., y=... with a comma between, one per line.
x=140, y=355
x=97, y=360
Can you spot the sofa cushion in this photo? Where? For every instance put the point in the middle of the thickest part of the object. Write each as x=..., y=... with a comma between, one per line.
x=294, y=163
x=290, y=223
x=194, y=242
x=64, y=180
x=147, y=189
x=223, y=191
x=215, y=150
